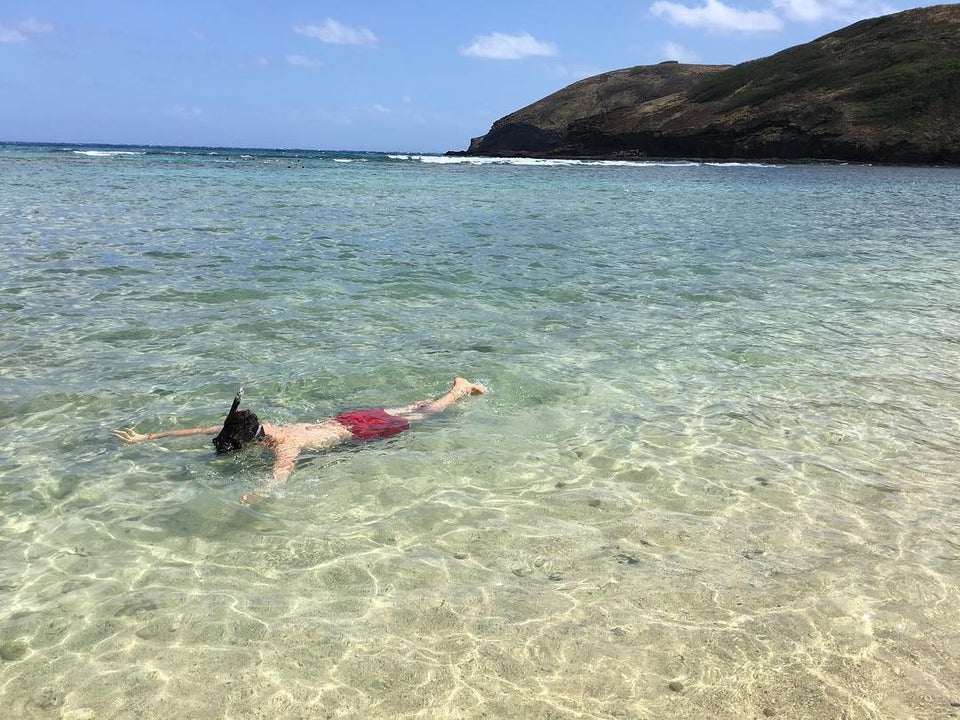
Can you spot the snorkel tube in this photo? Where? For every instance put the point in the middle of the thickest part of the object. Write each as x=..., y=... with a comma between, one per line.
x=227, y=440
x=236, y=403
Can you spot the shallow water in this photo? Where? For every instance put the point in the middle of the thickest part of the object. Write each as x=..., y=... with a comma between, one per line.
x=716, y=474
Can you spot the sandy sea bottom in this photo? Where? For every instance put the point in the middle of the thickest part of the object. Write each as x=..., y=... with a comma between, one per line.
x=715, y=475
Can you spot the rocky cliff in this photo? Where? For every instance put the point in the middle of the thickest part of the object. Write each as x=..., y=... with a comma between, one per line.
x=882, y=90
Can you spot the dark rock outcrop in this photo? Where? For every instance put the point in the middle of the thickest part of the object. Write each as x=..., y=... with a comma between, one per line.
x=882, y=90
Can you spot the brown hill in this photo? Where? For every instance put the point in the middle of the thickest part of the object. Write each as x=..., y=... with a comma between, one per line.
x=881, y=90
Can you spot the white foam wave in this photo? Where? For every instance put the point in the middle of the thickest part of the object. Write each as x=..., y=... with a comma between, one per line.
x=741, y=164
x=106, y=153
x=537, y=162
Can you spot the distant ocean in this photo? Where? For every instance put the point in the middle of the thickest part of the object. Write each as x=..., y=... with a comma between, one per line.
x=716, y=475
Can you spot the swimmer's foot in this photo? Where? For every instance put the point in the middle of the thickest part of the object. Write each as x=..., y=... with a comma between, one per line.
x=464, y=387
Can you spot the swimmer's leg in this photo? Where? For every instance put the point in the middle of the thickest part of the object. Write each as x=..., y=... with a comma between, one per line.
x=429, y=408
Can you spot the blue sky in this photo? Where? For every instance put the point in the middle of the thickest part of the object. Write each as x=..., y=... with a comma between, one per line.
x=421, y=76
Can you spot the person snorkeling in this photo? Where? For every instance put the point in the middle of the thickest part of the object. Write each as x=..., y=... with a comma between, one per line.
x=242, y=428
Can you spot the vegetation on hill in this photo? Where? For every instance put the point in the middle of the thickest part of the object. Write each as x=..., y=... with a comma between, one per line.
x=885, y=89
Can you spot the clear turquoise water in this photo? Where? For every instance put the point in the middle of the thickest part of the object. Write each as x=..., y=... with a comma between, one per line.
x=716, y=474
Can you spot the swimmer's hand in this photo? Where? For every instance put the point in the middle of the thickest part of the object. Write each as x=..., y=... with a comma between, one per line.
x=130, y=435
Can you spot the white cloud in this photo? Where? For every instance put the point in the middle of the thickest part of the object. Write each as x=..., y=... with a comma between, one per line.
x=809, y=10
x=673, y=51
x=338, y=34
x=498, y=46
x=304, y=61
x=839, y=10
x=715, y=15
x=23, y=30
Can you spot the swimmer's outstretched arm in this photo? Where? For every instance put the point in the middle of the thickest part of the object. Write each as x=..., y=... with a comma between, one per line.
x=284, y=464
x=282, y=467
x=131, y=436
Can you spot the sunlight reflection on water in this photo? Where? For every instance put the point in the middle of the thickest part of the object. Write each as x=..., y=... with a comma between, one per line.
x=715, y=474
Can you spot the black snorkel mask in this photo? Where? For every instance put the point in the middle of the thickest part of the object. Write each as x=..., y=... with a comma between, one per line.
x=239, y=428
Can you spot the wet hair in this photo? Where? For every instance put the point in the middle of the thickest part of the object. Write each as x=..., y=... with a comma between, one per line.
x=239, y=428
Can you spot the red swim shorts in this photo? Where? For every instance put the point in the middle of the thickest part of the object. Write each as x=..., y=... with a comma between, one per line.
x=372, y=424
